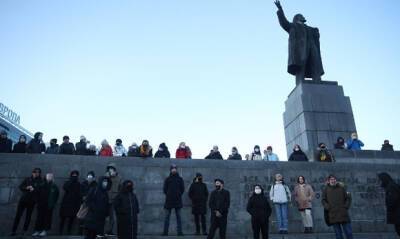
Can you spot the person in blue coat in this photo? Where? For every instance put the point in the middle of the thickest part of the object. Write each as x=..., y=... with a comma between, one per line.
x=354, y=143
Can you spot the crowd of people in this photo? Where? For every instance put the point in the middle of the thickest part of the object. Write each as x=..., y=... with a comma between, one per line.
x=109, y=206
x=83, y=147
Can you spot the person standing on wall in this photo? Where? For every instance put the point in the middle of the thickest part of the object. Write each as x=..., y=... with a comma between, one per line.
x=173, y=189
x=392, y=200
x=337, y=202
x=303, y=194
x=280, y=196
x=260, y=211
x=219, y=204
x=30, y=189
x=198, y=193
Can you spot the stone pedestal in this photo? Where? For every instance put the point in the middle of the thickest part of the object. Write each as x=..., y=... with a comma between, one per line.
x=315, y=113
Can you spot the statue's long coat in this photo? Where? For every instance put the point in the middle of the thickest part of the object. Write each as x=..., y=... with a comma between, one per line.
x=304, y=48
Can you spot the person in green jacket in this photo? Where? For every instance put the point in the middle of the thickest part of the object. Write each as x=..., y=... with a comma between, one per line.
x=48, y=197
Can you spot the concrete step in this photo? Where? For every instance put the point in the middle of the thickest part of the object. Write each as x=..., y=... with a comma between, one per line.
x=272, y=236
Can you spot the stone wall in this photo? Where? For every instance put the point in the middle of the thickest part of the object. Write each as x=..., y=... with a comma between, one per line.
x=367, y=210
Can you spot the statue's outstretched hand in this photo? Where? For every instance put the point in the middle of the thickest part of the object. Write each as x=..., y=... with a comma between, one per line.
x=278, y=4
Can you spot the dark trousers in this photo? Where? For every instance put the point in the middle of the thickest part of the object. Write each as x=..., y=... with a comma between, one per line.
x=90, y=234
x=70, y=223
x=197, y=218
x=218, y=223
x=178, y=220
x=259, y=225
x=44, y=219
x=20, y=211
x=397, y=227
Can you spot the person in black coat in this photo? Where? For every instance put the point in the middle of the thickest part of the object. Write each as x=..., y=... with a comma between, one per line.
x=48, y=197
x=5, y=143
x=81, y=146
x=71, y=202
x=36, y=145
x=235, y=155
x=162, y=152
x=127, y=208
x=173, y=190
x=198, y=193
x=392, y=200
x=86, y=186
x=214, y=154
x=260, y=210
x=20, y=147
x=97, y=203
x=386, y=146
x=66, y=147
x=298, y=154
x=340, y=144
x=30, y=189
x=219, y=204
x=54, y=148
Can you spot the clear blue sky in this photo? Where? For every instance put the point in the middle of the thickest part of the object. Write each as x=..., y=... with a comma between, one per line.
x=204, y=72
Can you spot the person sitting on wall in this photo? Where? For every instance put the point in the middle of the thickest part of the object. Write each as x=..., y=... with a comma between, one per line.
x=5, y=143
x=214, y=153
x=106, y=150
x=235, y=154
x=145, y=150
x=36, y=145
x=81, y=146
x=219, y=204
x=133, y=150
x=53, y=148
x=260, y=210
x=183, y=152
x=67, y=147
x=20, y=147
x=340, y=144
x=92, y=150
x=354, y=143
x=298, y=154
x=386, y=146
x=336, y=201
x=119, y=149
x=162, y=151
x=256, y=154
x=30, y=189
x=324, y=154
x=269, y=155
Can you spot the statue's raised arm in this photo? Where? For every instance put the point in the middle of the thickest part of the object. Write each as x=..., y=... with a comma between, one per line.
x=285, y=24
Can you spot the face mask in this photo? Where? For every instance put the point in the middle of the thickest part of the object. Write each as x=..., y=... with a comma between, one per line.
x=118, y=144
x=323, y=147
x=234, y=152
x=200, y=179
x=256, y=150
x=257, y=191
x=49, y=179
x=90, y=178
x=183, y=147
x=113, y=173
x=104, y=184
x=218, y=187
x=160, y=149
x=297, y=149
x=22, y=140
x=129, y=188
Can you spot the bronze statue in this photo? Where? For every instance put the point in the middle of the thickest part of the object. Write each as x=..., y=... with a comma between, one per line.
x=304, y=50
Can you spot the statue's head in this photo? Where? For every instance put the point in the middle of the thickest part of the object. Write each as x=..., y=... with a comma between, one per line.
x=299, y=18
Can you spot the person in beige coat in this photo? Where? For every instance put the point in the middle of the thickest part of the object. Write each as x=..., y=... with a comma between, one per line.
x=303, y=195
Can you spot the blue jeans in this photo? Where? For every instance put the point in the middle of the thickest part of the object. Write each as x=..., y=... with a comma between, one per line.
x=281, y=210
x=178, y=220
x=346, y=228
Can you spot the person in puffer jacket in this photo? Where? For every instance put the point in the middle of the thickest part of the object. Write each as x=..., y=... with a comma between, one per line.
x=162, y=152
x=119, y=149
x=280, y=196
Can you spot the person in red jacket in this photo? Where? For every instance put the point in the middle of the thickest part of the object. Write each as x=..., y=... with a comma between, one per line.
x=106, y=150
x=183, y=152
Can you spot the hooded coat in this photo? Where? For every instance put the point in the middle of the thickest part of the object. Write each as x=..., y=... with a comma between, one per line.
x=214, y=155
x=20, y=148
x=164, y=153
x=28, y=196
x=67, y=148
x=258, y=206
x=336, y=201
x=126, y=206
x=198, y=193
x=97, y=203
x=53, y=149
x=392, y=198
x=72, y=198
x=81, y=148
x=35, y=146
x=304, y=47
x=5, y=145
x=173, y=190
x=298, y=156
x=133, y=152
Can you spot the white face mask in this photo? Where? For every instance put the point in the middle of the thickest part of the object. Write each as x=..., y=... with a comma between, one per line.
x=256, y=150
x=257, y=191
x=160, y=149
x=183, y=147
x=90, y=177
